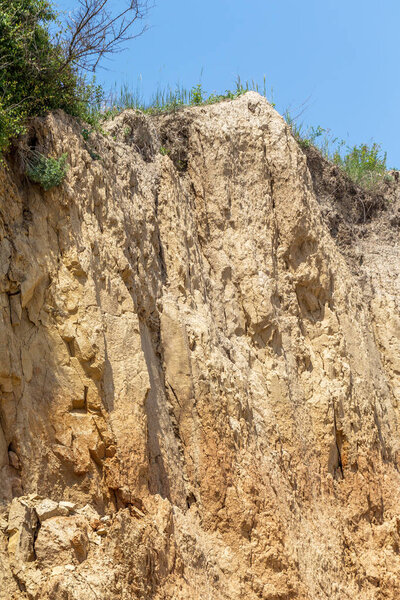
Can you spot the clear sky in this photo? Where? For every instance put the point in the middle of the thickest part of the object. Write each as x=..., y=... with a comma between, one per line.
x=340, y=57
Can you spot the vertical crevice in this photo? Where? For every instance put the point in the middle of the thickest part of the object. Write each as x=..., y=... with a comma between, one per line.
x=85, y=394
x=339, y=444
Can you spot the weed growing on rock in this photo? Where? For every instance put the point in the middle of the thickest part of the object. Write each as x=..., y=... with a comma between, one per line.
x=48, y=172
x=196, y=95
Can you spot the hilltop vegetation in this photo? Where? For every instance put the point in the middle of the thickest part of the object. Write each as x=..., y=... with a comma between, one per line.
x=43, y=67
x=34, y=75
x=44, y=61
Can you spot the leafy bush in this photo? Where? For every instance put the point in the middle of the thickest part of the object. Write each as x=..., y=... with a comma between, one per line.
x=34, y=75
x=47, y=171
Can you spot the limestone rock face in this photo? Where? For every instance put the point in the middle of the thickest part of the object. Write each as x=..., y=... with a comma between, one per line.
x=199, y=394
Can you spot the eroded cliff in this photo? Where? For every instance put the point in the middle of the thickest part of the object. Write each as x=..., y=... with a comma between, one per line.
x=199, y=384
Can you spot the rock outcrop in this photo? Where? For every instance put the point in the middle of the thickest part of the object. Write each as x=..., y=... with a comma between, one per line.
x=199, y=389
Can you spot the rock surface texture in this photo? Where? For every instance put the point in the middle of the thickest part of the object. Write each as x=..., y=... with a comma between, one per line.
x=199, y=388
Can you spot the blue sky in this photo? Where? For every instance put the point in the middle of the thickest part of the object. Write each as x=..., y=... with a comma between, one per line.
x=339, y=57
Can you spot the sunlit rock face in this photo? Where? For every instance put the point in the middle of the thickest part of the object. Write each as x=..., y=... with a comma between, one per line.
x=198, y=390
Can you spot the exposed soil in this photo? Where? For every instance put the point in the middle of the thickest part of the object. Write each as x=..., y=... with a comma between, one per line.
x=357, y=218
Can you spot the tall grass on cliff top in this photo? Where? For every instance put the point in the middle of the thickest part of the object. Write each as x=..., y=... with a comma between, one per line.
x=170, y=99
x=39, y=72
x=365, y=164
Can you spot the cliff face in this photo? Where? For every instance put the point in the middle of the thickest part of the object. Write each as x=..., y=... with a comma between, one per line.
x=199, y=388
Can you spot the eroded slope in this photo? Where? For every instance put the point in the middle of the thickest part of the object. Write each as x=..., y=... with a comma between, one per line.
x=186, y=352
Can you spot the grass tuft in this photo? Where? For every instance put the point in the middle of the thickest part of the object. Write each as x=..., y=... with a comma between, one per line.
x=365, y=164
x=169, y=99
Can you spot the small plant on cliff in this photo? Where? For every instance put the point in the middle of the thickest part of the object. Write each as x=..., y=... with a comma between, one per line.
x=196, y=95
x=49, y=172
x=173, y=99
x=85, y=134
x=364, y=164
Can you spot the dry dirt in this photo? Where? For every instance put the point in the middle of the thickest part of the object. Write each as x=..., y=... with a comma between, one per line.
x=199, y=367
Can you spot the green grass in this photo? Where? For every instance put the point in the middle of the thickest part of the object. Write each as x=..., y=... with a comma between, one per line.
x=365, y=164
x=170, y=99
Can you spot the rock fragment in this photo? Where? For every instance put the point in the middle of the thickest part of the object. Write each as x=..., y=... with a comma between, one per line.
x=46, y=509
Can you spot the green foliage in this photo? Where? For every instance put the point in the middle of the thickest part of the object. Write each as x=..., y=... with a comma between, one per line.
x=196, y=95
x=365, y=165
x=47, y=171
x=172, y=99
x=34, y=75
x=164, y=151
x=312, y=136
x=85, y=134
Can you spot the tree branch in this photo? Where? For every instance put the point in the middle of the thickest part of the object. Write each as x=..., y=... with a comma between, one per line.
x=96, y=30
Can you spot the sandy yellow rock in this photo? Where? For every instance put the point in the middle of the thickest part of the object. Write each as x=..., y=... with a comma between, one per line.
x=195, y=349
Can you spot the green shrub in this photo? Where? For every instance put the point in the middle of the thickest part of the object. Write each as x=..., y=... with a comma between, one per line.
x=34, y=75
x=85, y=134
x=47, y=171
x=94, y=155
